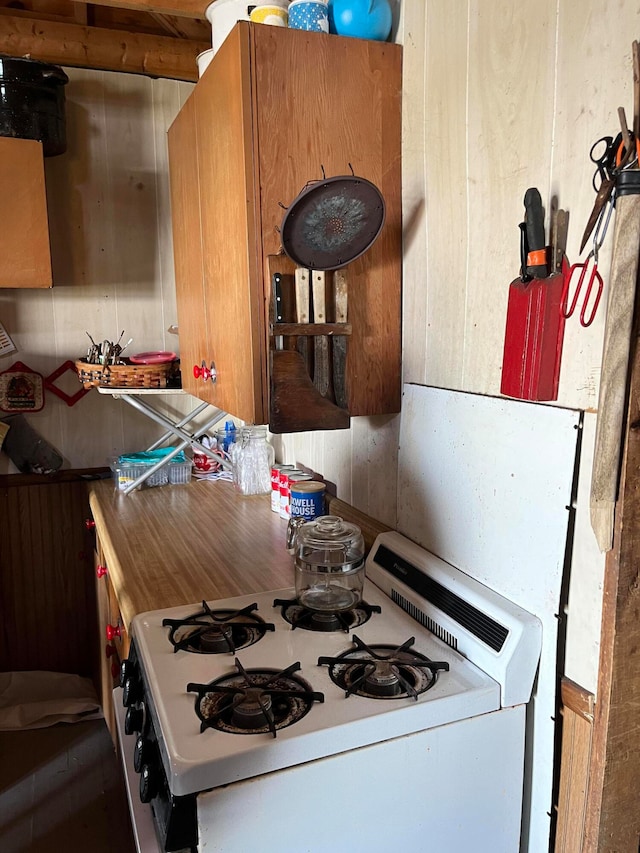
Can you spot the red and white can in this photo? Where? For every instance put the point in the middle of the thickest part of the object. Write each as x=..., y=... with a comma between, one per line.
x=283, y=488
x=275, y=484
x=286, y=478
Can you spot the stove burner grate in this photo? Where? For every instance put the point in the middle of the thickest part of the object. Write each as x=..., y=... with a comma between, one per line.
x=383, y=672
x=211, y=632
x=299, y=616
x=254, y=701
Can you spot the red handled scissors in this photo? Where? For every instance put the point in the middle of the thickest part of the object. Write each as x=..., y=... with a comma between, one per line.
x=588, y=274
x=594, y=280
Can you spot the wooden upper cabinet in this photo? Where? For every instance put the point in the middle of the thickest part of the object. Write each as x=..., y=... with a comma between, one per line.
x=276, y=110
x=25, y=258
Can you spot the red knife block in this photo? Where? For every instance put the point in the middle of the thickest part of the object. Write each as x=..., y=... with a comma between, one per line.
x=533, y=339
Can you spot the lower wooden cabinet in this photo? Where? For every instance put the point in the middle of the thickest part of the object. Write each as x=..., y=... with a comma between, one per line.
x=113, y=640
x=46, y=588
x=25, y=257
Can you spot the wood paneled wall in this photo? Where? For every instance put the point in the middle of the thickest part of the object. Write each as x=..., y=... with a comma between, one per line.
x=46, y=575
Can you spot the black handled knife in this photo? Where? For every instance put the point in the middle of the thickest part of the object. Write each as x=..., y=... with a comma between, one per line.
x=536, y=243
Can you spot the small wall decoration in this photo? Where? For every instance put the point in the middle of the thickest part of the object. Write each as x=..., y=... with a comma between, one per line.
x=21, y=389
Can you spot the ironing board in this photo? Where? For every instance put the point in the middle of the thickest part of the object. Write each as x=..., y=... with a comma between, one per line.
x=142, y=400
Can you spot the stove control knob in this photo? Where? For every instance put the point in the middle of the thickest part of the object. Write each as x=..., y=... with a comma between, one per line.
x=131, y=691
x=133, y=720
x=149, y=782
x=140, y=753
x=128, y=669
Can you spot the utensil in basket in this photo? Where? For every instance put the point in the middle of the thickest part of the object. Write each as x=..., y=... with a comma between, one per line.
x=124, y=375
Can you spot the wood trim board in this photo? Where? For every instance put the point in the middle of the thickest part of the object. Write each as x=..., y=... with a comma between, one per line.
x=577, y=730
x=612, y=820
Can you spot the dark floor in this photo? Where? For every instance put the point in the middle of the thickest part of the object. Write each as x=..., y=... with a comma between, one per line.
x=61, y=789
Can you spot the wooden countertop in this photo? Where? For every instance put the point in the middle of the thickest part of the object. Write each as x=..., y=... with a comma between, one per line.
x=175, y=545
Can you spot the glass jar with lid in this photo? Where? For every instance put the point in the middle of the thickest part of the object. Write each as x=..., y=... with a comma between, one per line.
x=252, y=459
x=329, y=564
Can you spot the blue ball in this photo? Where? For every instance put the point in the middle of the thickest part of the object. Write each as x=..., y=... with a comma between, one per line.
x=365, y=19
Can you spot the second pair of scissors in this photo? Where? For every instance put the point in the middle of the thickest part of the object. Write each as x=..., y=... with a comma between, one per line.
x=610, y=156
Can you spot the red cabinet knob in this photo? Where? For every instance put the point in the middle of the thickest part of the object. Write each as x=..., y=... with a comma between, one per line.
x=90, y=524
x=101, y=571
x=110, y=651
x=205, y=373
x=114, y=631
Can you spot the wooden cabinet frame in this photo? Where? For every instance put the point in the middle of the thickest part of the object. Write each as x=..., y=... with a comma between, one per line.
x=275, y=110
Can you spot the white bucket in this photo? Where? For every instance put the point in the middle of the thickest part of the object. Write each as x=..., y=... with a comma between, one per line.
x=223, y=15
x=203, y=59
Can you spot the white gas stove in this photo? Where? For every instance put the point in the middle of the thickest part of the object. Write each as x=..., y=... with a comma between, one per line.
x=260, y=724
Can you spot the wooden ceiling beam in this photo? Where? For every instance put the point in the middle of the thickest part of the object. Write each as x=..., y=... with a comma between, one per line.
x=179, y=8
x=95, y=47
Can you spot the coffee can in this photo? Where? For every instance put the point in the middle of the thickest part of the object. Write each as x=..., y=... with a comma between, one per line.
x=275, y=484
x=307, y=499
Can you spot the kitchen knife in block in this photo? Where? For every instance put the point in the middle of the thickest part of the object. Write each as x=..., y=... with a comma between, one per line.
x=277, y=306
x=302, y=310
x=534, y=334
x=294, y=402
x=321, y=377
x=339, y=342
x=536, y=263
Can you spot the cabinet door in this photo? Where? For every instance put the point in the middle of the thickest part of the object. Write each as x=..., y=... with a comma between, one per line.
x=233, y=283
x=110, y=652
x=187, y=249
x=25, y=259
x=211, y=161
x=105, y=675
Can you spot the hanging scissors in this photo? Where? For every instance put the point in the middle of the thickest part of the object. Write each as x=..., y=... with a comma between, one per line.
x=594, y=279
x=610, y=156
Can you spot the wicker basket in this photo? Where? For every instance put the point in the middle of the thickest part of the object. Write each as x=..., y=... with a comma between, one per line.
x=125, y=375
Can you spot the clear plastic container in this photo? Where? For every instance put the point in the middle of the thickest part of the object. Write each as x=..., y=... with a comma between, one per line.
x=252, y=457
x=180, y=472
x=125, y=474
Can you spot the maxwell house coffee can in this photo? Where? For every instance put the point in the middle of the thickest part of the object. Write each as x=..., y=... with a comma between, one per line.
x=307, y=499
